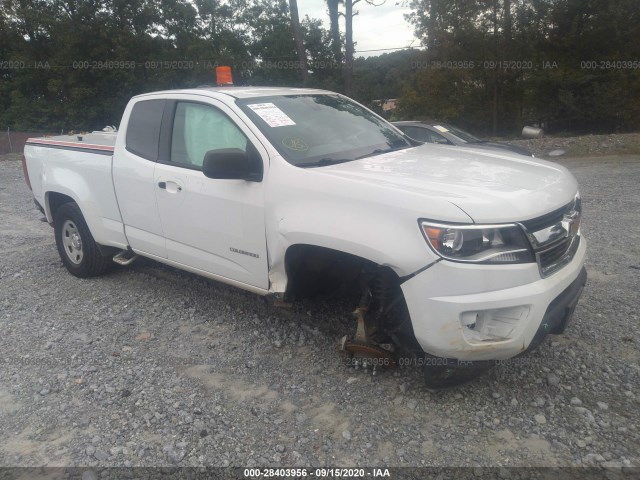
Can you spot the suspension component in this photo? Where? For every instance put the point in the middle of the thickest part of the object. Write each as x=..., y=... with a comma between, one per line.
x=362, y=350
x=366, y=354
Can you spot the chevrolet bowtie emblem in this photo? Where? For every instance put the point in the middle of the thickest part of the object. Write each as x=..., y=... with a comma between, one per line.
x=571, y=223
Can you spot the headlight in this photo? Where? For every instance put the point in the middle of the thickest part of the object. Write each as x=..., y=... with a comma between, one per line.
x=496, y=244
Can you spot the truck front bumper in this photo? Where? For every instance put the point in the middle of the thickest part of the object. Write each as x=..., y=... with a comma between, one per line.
x=484, y=312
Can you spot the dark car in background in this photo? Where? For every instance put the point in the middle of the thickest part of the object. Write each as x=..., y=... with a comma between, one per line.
x=444, y=134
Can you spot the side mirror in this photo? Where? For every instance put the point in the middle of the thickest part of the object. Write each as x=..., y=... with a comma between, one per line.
x=229, y=164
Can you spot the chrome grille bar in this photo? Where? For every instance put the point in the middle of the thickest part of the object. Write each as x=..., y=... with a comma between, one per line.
x=555, y=237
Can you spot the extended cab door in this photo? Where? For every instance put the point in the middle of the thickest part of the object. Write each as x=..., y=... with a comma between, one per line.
x=134, y=162
x=215, y=226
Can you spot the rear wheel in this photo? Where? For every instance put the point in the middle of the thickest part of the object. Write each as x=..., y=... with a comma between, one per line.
x=76, y=246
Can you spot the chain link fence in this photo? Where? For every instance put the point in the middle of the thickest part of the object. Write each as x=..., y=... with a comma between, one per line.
x=12, y=141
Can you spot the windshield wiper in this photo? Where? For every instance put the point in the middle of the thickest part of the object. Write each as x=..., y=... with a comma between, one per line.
x=323, y=162
x=379, y=151
x=332, y=161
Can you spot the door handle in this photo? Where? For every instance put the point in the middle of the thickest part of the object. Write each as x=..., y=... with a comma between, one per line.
x=170, y=186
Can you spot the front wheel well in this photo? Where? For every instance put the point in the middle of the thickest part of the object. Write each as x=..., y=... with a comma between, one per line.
x=325, y=273
x=319, y=271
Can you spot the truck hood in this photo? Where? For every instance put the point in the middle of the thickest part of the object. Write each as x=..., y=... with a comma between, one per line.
x=488, y=186
x=500, y=146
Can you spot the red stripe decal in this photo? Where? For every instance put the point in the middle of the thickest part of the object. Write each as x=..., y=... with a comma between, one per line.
x=89, y=146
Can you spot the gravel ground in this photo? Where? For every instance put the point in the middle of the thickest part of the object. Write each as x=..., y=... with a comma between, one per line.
x=150, y=366
x=583, y=146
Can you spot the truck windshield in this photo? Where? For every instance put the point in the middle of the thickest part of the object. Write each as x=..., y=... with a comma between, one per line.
x=317, y=130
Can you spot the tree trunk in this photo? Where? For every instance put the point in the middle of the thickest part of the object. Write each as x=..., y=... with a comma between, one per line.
x=348, y=33
x=496, y=70
x=507, y=22
x=334, y=25
x=297, y=36
x=432, y=27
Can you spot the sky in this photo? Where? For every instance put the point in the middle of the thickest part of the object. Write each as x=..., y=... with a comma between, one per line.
x=373, y=28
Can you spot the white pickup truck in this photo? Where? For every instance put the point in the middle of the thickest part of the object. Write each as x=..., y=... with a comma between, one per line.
x=455, y=257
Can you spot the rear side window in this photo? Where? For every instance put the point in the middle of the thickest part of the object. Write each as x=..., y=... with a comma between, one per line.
x=143, y=131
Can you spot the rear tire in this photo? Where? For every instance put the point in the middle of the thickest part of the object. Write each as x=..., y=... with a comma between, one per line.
x=76, y=246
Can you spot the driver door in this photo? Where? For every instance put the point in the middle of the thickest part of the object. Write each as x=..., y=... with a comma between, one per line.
x=210, y=225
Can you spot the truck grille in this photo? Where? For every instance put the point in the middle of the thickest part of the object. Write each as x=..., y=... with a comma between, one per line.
x=548, y=219
x=552, y=260
x=555, y=237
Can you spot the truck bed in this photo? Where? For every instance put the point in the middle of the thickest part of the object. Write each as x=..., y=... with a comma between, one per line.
x=78, y=167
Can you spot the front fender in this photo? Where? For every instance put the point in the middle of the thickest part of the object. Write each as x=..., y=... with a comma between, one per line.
x=304, y=206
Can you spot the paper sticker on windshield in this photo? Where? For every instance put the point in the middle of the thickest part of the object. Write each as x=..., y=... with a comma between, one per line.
x=272, y=115
x=440, y=128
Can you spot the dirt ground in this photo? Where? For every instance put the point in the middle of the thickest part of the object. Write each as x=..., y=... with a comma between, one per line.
x=583, y=146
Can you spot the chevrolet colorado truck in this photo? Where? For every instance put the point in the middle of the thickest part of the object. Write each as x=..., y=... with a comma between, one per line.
x=455, y=257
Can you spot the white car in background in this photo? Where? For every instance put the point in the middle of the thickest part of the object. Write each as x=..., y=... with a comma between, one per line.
x=444, y=134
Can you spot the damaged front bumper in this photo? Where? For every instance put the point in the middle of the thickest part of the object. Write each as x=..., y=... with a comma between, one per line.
x=559, y=312
x=477, y=322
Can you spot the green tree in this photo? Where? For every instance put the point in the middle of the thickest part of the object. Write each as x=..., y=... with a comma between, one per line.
x=553, y=39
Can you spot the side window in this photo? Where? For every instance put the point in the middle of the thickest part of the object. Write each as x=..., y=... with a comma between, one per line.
x=418, y=133
x=425, y=135
x=437, y=138
x=199, y=128
x=143, y=130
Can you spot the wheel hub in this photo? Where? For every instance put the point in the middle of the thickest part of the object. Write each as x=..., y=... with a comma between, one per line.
x=76, y=242
x=366, y=354
x=360, y=350
x=72, y=242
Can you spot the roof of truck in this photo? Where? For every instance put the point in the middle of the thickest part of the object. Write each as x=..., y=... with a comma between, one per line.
x=103, y=142
x=246, y=92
